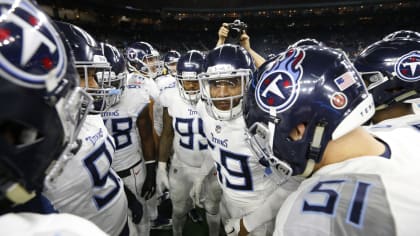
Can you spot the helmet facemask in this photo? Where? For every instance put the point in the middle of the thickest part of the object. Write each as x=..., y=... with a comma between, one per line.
x=114, y=82
x=223, y=92
x=189, y=87
x=260, y=139
x=154, y=65
x=96, y=79
x=72, y=115
x=171, y=67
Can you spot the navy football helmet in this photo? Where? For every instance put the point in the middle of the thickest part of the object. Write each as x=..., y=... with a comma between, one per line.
x=271, y=56
x=403, y=34
x=391, y=68
x=143, y=58
x=170, y=61
x=227, y=69
x=40, y=100
x=312, y=85
x=92, y=67
x=118, y=75
x=305, y=42
x=189, y=66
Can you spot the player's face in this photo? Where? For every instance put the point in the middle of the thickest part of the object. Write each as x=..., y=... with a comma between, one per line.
x=172, y=67
x=225, y=88
x=191, y=85
x=152, y=62
x=90, y=75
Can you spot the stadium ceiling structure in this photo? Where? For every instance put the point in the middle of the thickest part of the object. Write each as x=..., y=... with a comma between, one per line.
x=206, y=5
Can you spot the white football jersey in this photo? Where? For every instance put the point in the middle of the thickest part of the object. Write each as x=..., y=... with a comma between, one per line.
x=31, y=224
x=369, y=195
x=88, y=187
x=121, y=121
x=243, y=179
x=146, y=83
x=161, y=83
x=190, y=142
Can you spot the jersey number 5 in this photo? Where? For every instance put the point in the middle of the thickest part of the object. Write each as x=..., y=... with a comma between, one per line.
x=331, y=197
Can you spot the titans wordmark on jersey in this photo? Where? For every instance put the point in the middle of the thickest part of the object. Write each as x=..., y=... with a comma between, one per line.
x=242, y=177
x=88, y=187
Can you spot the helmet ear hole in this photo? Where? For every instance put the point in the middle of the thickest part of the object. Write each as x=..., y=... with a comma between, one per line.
x=18, y=134
x=297, y=132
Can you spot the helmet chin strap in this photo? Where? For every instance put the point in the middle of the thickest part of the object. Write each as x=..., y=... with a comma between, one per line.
x=314, y=152
x=310, y=165
x=17, y=194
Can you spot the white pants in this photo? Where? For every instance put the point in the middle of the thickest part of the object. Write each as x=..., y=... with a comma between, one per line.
x=134, y=182
x=181, y=181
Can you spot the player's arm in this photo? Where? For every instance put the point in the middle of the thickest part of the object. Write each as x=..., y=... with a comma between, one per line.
x=267, y=212
x=206, y=168
x=222, y=33
x=165, y=148
x=145, y=127
x=245, y=43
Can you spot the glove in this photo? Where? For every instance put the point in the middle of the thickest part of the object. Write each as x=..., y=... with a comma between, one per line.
x=195, y=192
x=134, y=205
x=162, y=177
x=149, y=185
x=232, y=227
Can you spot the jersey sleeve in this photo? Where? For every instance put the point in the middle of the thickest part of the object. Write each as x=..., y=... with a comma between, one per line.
x=49, y=224
x=168, y=89
x=342, y=205
x=271, y=206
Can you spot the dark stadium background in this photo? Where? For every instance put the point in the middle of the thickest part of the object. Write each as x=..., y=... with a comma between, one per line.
x=272, y=25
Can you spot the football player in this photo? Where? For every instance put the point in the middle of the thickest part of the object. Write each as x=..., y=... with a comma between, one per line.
x=163, y=82
x=246, y=184
x=391, y=71
x=130, y=125
x=271, y=206
x=89, y=187
x=143, y=62
x=183, y=132
x=170, y=61
x=145, y=66
x=304, y=113
x=41, y=119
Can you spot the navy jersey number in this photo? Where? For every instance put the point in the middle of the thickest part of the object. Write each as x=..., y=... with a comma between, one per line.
x=187, y=133
x=357, y=205
x=244, y=174
x=121, y=129
x=106, y=185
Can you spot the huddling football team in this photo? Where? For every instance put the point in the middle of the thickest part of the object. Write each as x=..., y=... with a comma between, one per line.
x=96, y=140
